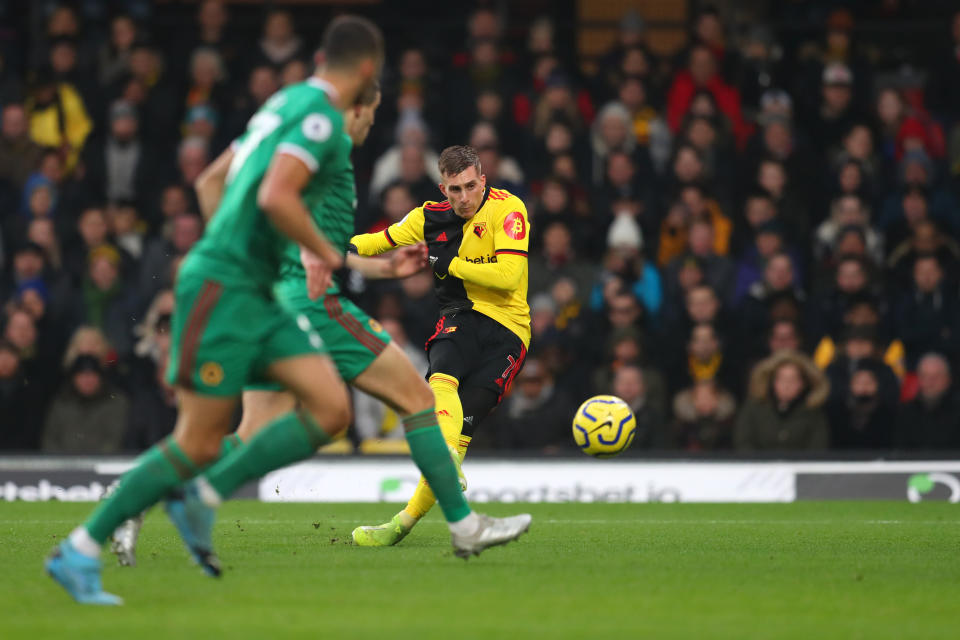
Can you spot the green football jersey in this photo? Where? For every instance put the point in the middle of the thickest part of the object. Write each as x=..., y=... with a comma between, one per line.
x=240, y=245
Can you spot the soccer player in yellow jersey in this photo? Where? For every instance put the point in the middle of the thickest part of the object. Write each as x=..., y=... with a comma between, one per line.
x=477, y=241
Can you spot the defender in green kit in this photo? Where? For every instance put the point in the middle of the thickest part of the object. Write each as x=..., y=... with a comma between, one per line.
x=229, y=329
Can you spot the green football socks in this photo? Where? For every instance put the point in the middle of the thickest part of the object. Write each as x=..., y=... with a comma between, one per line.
x=290, y=438
x=160, y=469
x=432, y=455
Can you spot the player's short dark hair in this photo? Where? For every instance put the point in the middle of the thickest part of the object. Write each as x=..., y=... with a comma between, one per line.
x=349, y=39
x=457, y=159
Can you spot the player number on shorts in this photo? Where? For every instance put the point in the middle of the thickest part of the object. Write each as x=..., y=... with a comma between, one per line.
x=260, y=126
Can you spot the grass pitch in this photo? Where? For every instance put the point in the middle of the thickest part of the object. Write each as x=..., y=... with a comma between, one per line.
x=825, y=570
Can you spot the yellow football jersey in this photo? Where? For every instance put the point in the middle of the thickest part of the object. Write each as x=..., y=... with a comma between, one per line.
x=489, y=274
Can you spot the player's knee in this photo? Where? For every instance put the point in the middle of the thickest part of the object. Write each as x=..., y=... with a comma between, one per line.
x=201, y=451
x=333, y=415
x=421, y=398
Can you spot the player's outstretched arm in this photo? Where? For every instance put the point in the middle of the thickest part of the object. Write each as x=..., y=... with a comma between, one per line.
x=209, y=184
x=400, y=234
x=279, y=198
x=403, y=262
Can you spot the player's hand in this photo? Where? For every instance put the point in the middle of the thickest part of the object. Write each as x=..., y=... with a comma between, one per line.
x=440, y=259
x=319, y=273
x=408, y=260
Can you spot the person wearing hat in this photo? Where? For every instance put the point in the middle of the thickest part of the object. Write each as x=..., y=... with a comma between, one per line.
x=104, y=301
x=120, y=164
x=58, y=117
x=836, y=112
x=88, y=414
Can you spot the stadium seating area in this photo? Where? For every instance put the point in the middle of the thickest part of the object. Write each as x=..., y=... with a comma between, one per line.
x=755, y=241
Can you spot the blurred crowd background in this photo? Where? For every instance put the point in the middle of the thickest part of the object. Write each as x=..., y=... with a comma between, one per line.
x=745, y=214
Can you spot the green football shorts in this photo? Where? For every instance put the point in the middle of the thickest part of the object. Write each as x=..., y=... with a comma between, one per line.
x=351, y=338
x=224, y=336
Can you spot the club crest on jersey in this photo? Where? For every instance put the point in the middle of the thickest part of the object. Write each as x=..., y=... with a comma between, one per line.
x=211, y=373
x=515, y=226
x=479, y=228
x=376, y=326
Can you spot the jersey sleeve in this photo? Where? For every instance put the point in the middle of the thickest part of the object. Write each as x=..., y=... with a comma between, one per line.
x=409, y=230
x=511, y=233
x=314, y=140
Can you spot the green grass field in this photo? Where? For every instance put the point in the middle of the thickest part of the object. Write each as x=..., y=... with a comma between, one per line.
x=838, y=570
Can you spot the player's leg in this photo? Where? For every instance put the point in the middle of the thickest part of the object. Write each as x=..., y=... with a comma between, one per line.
x=496, y=355
x=202, y=423
x=208, y=367
x=260, y=408
x=123, y=542
x=393, y=379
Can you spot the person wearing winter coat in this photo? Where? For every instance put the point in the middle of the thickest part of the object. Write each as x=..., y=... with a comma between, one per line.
x=784, y=410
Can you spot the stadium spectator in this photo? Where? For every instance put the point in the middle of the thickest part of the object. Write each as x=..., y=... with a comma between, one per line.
x=784, y=409
x=280, y=43
x=931, y=421
x=558, y=259
x=628, y=384
x=718, y=270
x=863, y=398
x=120, y=162
x=19, y=403
x=58, y=117
x=925, y=239
x=152, y=91
x=704, y=417
x=704, y=358
x=105, y=300
x=19, y=154
x=399, y=162
x=114, y=57
x=928, y=315
x=535, y=416
x=625, y=347
x=88, y=414
x=701, y=75
x=775, y=297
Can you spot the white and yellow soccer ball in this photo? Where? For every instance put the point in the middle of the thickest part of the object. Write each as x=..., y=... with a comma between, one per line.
x=604, y=426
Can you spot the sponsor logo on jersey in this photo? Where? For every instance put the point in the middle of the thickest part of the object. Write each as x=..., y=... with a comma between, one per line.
x=449, y=329
x=481, y=260
x=443, y=412
x=211, y=373
x=515, y=226
x=479, y=228
x=376, y=326
x=442, y=237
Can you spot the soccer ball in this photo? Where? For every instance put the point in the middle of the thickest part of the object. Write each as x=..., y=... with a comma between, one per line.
x=604, y=426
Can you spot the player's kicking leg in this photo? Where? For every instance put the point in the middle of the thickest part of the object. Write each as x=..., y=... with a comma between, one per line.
x=392, y=379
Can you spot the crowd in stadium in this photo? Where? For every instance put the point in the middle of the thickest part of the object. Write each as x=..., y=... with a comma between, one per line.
x=756, y=246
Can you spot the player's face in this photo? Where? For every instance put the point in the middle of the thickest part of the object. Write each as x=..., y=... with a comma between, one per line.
x=464, y=191
x=360, y=119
